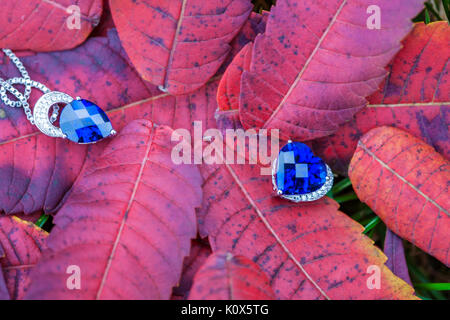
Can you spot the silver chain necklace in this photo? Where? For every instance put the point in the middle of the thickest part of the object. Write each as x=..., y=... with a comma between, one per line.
x=80, y=121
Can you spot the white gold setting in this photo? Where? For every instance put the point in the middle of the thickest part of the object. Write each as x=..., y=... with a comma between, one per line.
x=41, y=109
x=306, y=197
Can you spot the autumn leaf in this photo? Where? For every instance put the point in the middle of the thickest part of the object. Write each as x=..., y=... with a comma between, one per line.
x=415, y=98
x=57, y=163
x=4, y=294
x=106, y=22
x=178, y=45
x=230, y=86
x=405, y=182
x=307, y=51
x=228, y=277
x=394, y=250
x=47, y=25
x=21, y=243
x=124, y=224
x=98, y=71
x=255, y=24
x=197, y=257
x=308, y=251
x=230, y=83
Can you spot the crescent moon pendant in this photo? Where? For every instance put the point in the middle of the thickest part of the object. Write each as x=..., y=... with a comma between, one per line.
x=41, y=109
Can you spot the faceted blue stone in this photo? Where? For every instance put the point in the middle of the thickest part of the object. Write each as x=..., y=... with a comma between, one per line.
x=84, y=122
x=299, y=171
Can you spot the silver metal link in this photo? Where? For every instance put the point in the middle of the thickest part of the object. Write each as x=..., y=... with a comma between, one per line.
x=22, y=98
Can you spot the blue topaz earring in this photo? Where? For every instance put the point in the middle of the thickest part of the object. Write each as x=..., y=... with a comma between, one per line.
x=298, y=175
x=81, y=121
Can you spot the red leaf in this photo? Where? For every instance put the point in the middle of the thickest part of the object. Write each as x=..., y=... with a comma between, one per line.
x=309, y=251
x=4, y=294
x=414, y=98
x=255, y=24
x=405, y=182
x=308, y=50
x=98, y=71
x=228, y=277
x=178, y=45
x=174, y=111
x=230, y=86
x=45, y=25
x=199, y=253
x=124, y=224
x=22, y=243
x=106, y=22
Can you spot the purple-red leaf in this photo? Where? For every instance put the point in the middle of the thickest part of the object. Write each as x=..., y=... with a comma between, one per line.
x=393, y=249
x=4, y=294
x=225, y=276
x=47, y=25
x=415, y=97
x=199, y=253
x=98, y=71
x=314, y=66
x=255, y=25
x=21, y=243
x=124, y=224
x=230, y=86
x=179, y=44
x=406, y=183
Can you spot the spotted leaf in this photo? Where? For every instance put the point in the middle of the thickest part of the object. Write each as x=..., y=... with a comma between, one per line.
x=228, y=277
x=98, y=71
x=406, y=183
x=415, y=97
x=308, y=251
x=124, y=224
x=180, y=44
x=21, y=243
x=310, y=49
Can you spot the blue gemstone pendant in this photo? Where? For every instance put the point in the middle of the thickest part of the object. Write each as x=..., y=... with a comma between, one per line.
x=83, y=122
x=298, y=175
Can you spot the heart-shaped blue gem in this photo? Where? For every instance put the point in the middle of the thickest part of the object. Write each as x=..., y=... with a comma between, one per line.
x=84, y=122
x=299, y=171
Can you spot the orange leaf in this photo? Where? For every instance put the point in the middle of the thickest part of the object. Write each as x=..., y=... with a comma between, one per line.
x=405, y=181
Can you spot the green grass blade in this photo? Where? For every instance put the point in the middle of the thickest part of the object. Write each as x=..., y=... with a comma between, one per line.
x=42, y=220
x=372, y=224
x=427, y=17
x=417, y=275
x=432, y=10
x=446, y=4
x=341, y=186
x=433, y=286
